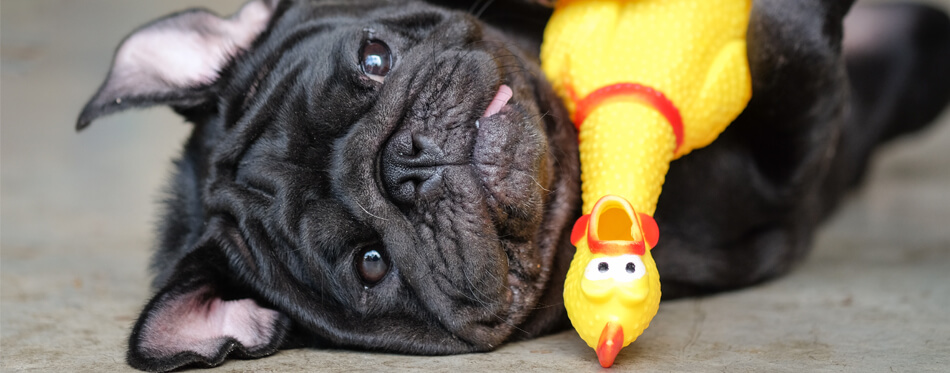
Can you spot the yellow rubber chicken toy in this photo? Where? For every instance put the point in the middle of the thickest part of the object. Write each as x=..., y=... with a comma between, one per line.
x=646, y=82
x=612, y=289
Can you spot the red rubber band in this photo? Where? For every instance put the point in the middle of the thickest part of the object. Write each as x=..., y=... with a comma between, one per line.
x=645, y=94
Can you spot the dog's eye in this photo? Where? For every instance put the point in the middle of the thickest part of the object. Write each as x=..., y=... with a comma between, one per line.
x=371, y=264
x=376, y=60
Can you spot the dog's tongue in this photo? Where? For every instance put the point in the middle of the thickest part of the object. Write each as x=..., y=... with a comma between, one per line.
x=501, y=98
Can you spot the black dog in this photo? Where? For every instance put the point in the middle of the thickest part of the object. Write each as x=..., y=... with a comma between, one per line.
x=354, y=179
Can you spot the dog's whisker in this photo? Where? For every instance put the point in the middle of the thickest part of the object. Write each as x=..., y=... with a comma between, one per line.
x=475, y=4
x=369, y=213
x=533, y=178
x=481, y=11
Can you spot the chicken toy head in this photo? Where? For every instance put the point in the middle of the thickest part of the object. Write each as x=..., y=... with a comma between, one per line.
x=612, y=290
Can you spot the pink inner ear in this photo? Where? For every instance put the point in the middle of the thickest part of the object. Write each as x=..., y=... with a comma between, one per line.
x=185, y=50
x=200, y=323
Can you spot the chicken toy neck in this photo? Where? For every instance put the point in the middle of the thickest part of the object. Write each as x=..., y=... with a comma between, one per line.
x=646, y=82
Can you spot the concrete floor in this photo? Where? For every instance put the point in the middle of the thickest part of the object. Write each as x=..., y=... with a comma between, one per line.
x=77, y=212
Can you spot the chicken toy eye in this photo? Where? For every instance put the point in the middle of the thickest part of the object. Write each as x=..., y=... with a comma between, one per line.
x=599, y=269
x=623, y=268
x=376, y=60
x=630, y=267
x=371, y=265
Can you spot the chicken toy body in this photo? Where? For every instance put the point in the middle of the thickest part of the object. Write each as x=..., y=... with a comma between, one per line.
x=646, y=81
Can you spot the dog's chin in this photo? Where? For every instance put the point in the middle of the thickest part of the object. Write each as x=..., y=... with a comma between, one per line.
x=509, y=160
x=484, y=194
x=527, y=163
x=526, y=158
x=486, y=212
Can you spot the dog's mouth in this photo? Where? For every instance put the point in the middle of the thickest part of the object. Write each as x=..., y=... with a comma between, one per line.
x=507, y=153
x=473, y=184
x=499, y=101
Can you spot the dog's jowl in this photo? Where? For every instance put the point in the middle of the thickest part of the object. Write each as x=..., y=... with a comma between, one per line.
x=398, y=176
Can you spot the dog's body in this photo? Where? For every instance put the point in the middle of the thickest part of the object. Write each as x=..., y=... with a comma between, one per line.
x=344, y=185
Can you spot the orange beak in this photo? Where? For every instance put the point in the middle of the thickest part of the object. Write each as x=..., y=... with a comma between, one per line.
x=611, y=341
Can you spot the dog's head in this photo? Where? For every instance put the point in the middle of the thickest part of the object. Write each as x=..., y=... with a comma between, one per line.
x=395, y=177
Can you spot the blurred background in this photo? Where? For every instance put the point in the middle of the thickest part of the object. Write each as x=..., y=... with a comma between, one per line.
x=77, y=211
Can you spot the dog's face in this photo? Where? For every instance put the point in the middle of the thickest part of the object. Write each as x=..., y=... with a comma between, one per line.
x=395, y=177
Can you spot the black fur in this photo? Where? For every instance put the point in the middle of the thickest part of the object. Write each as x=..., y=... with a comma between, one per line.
x=297, y=160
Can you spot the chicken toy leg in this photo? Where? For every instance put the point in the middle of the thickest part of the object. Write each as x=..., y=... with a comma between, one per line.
x=646, y=81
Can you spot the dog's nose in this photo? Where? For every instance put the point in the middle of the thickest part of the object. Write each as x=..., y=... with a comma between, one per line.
x=411, y=167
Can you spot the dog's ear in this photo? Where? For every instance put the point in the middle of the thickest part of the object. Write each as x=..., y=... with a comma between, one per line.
x=200, y=318
x=175, y=59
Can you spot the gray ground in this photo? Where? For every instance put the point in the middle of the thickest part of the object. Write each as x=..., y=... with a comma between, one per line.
x=77, y=212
